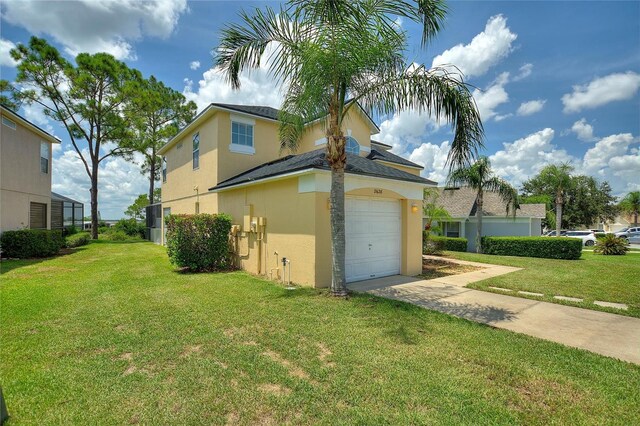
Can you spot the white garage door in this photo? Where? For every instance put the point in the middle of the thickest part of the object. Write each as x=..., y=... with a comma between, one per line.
x=373, y=238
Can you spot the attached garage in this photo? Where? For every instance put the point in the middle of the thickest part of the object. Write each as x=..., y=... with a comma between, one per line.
x=373, y=237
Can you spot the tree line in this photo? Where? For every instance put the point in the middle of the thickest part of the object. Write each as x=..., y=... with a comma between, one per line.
x=107, y=108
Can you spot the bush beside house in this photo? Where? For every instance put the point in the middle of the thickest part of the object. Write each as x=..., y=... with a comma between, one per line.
x=199, y=242
x=433, y=244
x=77, y=240
x=30, y=243
x=544, y=247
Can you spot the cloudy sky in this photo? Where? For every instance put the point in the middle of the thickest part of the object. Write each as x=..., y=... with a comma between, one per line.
x=554, y=81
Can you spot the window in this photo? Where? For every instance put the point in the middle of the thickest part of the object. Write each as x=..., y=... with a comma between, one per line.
x=196, y=151
x=8, y=123
x=164, y=169
x=242, y=138
x=44, y=157
x=38, y=216
x=352, y=146
x=452, y=229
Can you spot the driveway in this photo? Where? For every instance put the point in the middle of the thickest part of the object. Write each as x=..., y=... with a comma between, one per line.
x=607, y=334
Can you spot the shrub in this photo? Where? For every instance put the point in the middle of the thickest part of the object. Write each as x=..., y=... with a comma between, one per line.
x=611, y=245
x=114, y=235
x=77, y=240
x=131, y=227
x=71, y=230
x=600, y=234
x=199, y=242
x=432, y=244
x=545, y=247
x=28, y=243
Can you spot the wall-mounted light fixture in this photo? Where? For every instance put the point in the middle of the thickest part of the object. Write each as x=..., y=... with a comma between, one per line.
x=414, y=208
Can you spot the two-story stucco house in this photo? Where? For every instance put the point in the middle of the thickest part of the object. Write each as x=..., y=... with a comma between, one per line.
x=25, y=173
x=229, y=160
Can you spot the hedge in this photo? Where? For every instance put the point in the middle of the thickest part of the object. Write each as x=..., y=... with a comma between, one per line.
x=199, y=242
x=545, y=247
x=77, y=240
x=434, y=244
x=29, y=243
x=131, y=227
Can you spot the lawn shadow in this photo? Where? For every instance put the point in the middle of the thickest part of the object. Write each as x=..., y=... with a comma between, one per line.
x=8, y=265
x=437, y=301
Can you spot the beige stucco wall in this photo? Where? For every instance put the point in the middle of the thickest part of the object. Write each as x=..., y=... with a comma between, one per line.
x=411, y=170
x=290, y=228
x=21, y=181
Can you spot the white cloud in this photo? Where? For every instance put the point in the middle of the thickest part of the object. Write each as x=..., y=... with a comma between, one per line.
x=119, y=183
x=257, y=87
x=596, y=159
x=35, y=114
x=492, y=97
x=92, y=26
x=524, y=72
x=601, y=91
x=583, y=130
x=406, y=128
x=194, y=65
x=525, y=157
x=530, y=107
x=433, y=158
x=5, y=58
x=484, y=51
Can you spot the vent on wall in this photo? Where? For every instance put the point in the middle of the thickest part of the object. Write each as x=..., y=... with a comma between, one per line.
x=8, y=123
x=179, y=145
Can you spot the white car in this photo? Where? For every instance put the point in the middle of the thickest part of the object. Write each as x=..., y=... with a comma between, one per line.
x=587, y=237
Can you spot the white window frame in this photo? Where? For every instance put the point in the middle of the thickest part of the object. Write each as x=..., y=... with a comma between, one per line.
x=446, y=229
x=164, y=169
x=238, y=148
x=195, y=151
x=48, y=157
x=357, y=143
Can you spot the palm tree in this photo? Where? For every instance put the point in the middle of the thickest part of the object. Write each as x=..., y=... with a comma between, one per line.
x=630, y=204
x=433, y=212
x=556, y=179
x=480, y=177
x=333, y=54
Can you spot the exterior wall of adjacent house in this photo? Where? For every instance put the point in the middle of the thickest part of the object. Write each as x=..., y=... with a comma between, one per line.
x=501, y=227
x=21, y=179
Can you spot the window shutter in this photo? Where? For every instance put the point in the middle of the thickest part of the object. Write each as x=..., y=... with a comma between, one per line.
x=38, y=216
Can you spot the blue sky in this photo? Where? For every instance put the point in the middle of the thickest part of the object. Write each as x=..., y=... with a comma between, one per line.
x=555, y=81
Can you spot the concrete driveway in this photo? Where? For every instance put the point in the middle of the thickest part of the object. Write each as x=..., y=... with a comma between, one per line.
x=607, y=334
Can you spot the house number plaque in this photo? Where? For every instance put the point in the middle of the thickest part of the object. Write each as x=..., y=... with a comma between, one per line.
x=377, y=191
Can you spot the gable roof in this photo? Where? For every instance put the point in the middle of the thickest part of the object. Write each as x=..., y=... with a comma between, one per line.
x=384, y=146
x=382, y=155
x=461, y=202
x=41, y=132
x=258, y=110
x=317, y=160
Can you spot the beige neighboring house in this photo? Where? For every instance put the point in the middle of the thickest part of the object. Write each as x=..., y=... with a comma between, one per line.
x=25, y=173
x=461, y=205
x=228, y=159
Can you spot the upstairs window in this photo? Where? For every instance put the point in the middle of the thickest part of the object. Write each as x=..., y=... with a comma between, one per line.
x=164, y=169
x=242, y=134
x=44, y=157
x=352, y=146
x=196, y=151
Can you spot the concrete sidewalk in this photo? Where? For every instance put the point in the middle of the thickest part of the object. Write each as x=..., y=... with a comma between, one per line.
x=607, y=334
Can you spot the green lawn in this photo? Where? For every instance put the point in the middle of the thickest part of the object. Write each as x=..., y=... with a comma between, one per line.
x=112, y=335
x=593, y=277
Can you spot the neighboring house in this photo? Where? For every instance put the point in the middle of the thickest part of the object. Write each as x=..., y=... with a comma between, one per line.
x=66, y=212
x=461, y=205
x=621, y=221
x=25, y=173
x=228, y=159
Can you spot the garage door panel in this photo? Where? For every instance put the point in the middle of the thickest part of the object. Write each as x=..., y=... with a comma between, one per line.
x=373, y=238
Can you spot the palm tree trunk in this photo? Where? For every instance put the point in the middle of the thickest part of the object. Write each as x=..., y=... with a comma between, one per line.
x=558, y=215
x=480, y=202
x=338, y=285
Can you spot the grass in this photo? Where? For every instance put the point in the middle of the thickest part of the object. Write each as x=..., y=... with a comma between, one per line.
x=111, y=334
x=593, y=277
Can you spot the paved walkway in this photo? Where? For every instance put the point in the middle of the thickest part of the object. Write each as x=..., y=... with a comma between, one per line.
x=607, y=334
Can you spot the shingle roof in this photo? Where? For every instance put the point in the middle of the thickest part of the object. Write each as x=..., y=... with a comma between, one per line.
x=461, y=202
x=317, y=160
x=390, y=157
x=262, y=111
